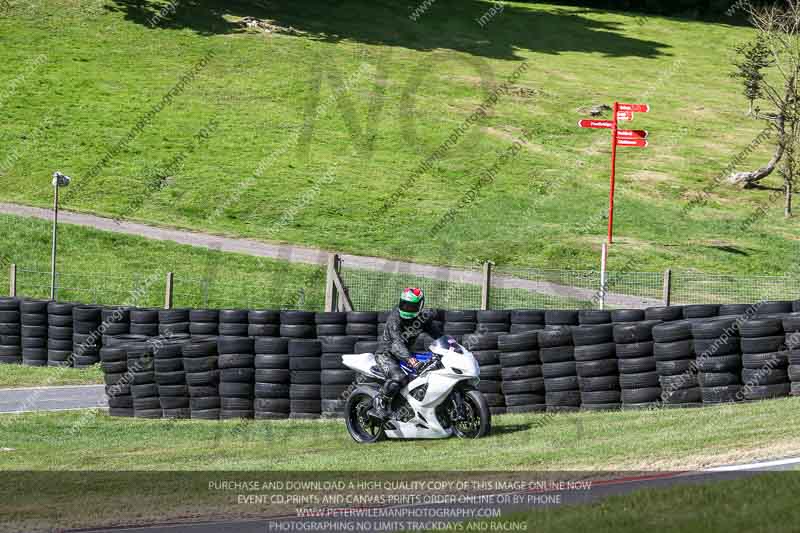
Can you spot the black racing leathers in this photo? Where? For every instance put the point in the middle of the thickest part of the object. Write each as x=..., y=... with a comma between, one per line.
x=395, y=344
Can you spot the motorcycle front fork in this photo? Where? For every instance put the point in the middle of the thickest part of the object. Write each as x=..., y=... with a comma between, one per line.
x=458, y=405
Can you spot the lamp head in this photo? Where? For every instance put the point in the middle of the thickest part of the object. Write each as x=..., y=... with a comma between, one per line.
x=60, y=180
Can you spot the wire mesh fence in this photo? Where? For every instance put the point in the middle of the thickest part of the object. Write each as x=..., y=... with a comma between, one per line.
x=699, y=287
x=149, y=289
x=446, y=288
x=370, y=290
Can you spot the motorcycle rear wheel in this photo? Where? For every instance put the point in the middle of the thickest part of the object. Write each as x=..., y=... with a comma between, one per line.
x=362, y=428
x=477, y=421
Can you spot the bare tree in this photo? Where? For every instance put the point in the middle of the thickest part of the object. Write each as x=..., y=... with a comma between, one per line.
x=769, y=68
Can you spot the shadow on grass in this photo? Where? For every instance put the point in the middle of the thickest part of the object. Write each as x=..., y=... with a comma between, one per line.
x=511, y=428
x=444, y=24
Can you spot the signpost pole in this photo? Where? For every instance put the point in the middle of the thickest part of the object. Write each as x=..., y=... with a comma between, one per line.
x=613, y=173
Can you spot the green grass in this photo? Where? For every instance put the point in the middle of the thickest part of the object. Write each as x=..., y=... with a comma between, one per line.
x=545, y=207
x=112, y=268
x=160, y=469
x=31, y=376
x=629, y=440
x=763, y=503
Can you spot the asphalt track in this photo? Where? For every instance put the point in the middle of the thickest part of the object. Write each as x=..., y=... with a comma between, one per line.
x=62, y=398
x=525, y=500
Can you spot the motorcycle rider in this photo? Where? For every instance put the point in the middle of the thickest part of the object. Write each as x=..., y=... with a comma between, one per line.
x=405, y=323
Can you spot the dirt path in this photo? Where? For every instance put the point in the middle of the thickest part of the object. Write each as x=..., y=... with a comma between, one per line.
x=316, y=256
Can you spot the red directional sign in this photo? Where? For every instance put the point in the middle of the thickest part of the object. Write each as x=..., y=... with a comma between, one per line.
x=597, y=124
x=642, y=143
x=619, y=138
x=634, y=108
x=632, y=134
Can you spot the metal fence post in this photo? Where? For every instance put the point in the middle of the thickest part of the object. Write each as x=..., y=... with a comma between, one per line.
x=168, y=291
x=330, y=287
x=12, y=280
x=667, y=286
x=486, y=285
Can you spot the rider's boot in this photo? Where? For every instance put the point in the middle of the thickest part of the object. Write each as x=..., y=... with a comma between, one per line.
x=381, y=407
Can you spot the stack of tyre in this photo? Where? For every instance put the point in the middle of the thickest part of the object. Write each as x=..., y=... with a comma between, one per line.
x=459, y=323
x=337, y=379
x=673, y=351
x=172, y=322
x=331, y=324
x=144, y=390
x=115, y=321
x=791, y=327
x=362, y=324
x=557, y=353
x=664, y=314
x=144, y=322
x=34, y=320
x=297, y=325
x=555, y=319
x=774, y=307
x=264, y=323
x=204, y=322
x=522, y=383
x=173, y=393
x=593, y=317
x=87, y=335
x=718, y=359
x=233, y=323
x=10, y=328
x=764, y=359
x=305, y=384
x=202, y=378
x=493, y=322
x=484, y=348
x=236, y=362
x=526, y=320
x=59, y=333
x=271, y=378
x=114, y=362
x=596, y=364
x=638, y=378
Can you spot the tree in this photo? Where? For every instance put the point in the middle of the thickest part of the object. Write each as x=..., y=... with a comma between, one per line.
x=755, y=58
x=769, y=68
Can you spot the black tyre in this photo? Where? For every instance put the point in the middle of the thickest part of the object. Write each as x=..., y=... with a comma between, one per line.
x=557, y=354
x=598, y=383
x=513, y=400
x=637, y=365
x=762, y=360
x=687, y=381
x=605, y=396
x=199, y=364
x=236, y=360
x=563, y=399
x=761, y=327
x=518, y=342
x=765, y=392
x=716, y=347
x=593, y=317
x=298, y=331
x=634, y=332
x=551, y=338
x=764, y=376
x=236, y=389
x=523, y=386
x=362, y=428
x=595, y=352
x=725, y=394
x=672, y=331
x=763, y=344
x=603, y=367
x=508, y=359
x=665, y=314
x=635, y=350
x=480, y=342
x=271, y=390
x=724, y=363
x=557, y=370
x=305, y=363
x=567, y=383
x=644, y=395
x=643, y=380
x=700, y=311
x=678, y=366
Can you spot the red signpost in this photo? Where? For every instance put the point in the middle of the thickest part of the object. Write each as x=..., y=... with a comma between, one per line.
x=626, y=138
x=623, y=138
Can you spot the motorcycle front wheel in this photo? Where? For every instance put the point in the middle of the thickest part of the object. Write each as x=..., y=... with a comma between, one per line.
x=363, y=428
x=477, y=419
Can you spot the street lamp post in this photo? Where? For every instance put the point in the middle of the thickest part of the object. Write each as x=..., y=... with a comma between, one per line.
x=59, y=180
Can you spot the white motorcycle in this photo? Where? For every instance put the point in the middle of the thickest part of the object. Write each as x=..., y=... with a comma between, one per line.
x=440, y=400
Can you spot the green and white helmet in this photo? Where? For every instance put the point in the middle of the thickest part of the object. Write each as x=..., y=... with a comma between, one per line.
x=411, y=303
